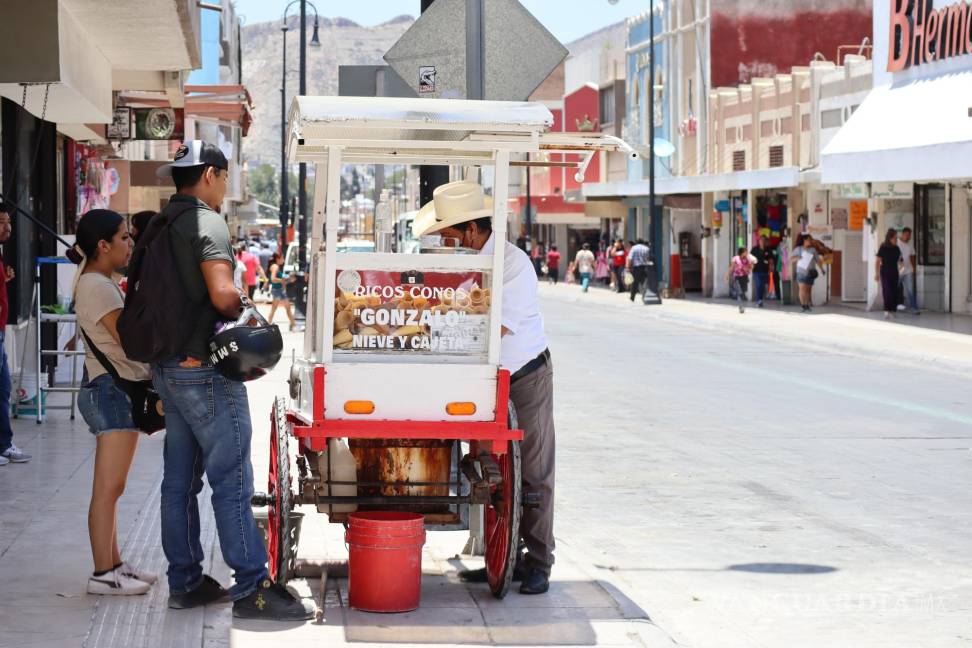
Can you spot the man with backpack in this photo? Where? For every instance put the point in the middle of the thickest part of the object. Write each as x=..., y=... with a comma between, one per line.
x=180, y=287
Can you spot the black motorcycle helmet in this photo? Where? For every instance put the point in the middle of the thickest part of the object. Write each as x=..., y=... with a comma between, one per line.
x=248, y=348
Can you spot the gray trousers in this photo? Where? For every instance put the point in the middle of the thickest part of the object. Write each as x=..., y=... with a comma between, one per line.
x=532, y=396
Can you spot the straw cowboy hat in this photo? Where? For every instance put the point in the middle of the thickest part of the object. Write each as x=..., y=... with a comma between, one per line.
x=452, y=204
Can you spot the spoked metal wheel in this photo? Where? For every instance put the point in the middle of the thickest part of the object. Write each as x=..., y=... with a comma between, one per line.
x=280, y=550
x=503, y=518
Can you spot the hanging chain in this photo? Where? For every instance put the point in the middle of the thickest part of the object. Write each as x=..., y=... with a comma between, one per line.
x=47, y=92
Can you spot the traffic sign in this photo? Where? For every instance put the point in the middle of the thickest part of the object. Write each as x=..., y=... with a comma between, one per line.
x=480, y=49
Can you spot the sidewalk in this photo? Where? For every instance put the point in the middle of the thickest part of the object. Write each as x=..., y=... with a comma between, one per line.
x=45, y=561
x=937, y=340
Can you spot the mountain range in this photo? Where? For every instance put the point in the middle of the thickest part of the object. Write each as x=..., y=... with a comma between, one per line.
x=343, y=42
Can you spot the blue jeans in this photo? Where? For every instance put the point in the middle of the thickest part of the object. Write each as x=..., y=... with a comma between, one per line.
x=585, y=280
x=908, y=286
x=208, y=431
x=6, y=433
x=760, y=283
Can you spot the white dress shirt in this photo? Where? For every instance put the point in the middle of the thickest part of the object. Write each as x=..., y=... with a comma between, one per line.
x=521, y=309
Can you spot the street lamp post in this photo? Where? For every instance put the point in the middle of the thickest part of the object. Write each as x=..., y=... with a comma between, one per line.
x=301, y=214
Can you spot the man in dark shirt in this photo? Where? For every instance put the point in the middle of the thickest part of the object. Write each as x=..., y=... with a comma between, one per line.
x=207, y=416
x=765, y=263
x=8, y=451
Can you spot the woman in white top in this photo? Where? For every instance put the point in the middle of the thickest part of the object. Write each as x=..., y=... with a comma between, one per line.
x=103, y=247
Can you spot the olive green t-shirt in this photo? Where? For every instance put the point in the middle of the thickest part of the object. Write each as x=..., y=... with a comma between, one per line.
x=198, y=235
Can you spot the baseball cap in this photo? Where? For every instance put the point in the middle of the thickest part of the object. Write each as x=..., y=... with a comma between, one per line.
x=194, y=153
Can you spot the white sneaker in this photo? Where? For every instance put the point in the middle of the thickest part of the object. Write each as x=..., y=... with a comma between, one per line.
x=15, y=454
x=114, y=583
x=3, y=460
x=131, y=572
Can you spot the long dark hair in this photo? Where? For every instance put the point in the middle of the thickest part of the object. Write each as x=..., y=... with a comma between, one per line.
x=95, y=226
x=890, y=235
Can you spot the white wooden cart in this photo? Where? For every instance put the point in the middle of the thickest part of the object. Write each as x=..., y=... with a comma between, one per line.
x=401, y=351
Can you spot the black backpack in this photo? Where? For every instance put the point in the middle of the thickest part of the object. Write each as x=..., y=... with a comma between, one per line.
x=157, y=319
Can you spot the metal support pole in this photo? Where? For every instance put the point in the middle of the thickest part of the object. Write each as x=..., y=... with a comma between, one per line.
x=284, y=193
x=529, y=209
x=302, y=178
x=651, y=132
x=430, y=177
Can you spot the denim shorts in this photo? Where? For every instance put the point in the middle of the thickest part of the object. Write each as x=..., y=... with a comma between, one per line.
x=104, y=407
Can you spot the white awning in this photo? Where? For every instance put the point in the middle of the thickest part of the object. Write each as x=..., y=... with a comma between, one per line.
x=917, y=131
x=778, y=178
x=567, y=218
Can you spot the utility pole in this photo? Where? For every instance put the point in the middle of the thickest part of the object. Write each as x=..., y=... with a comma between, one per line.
x=651, y=132
x=284, y=192
x=430, y=177
x=302, y=176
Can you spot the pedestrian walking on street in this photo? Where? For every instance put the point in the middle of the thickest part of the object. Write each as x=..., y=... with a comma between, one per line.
x=886, y=272
x=585, y=265
x=740, y=268
x=524, y=353
x=208, y=426
x=619, y=259
x=639, y=259
x=278, y=289
x=9, y=452
x=602, y=270
x=907, y=273
x=253, y=271
x=807, y=261
x=553, y=265
x=103, y=246
x=765, y=263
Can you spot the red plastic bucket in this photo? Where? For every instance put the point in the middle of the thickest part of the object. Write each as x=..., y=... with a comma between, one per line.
x=385, y=563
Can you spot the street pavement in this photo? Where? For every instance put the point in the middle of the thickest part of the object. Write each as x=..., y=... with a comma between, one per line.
x=767, y=479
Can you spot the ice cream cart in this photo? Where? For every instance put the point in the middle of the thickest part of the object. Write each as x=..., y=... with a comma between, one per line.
x=398, y=401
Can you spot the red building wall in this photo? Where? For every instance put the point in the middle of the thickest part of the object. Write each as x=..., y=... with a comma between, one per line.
x=760, y=38
x=580, y=105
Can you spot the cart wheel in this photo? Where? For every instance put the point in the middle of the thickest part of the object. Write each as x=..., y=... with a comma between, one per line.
x=503, y=519
x=281, y=553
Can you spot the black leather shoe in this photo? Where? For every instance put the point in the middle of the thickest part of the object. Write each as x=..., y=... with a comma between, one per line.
x=208, y=591
x=272, y=602
x=536, y=581
x=479, y=575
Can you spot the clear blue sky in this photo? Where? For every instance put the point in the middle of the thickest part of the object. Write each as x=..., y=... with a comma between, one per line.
x=566, y=19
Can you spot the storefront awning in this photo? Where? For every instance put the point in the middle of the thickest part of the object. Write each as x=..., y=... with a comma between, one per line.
x=568, y=218
x=918, y=131
x=779, y=178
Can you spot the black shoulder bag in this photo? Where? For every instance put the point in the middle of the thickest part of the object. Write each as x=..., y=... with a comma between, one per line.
x=147, y=411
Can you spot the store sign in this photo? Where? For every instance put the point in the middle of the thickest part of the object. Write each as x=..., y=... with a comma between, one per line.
x=856, y=191
x=159, y=123
x=121, y=124
x=892, y=190
x=857, y=214
x=920, y=34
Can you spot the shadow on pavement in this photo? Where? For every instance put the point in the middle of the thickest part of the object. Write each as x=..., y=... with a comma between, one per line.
x=572, y=613
x=756, y=568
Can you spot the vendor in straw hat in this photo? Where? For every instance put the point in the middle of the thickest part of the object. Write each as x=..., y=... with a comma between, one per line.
x=460, y=210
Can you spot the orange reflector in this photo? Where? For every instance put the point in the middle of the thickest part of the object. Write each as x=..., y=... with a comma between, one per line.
x=359, y=407
x=461, y=409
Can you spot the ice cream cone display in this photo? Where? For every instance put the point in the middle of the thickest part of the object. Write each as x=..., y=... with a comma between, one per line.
x=427, y=317
x=342, y=339
x=477, y=296
x=343, y=320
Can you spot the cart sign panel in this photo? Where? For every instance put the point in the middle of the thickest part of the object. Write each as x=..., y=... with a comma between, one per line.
x=444, y=313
